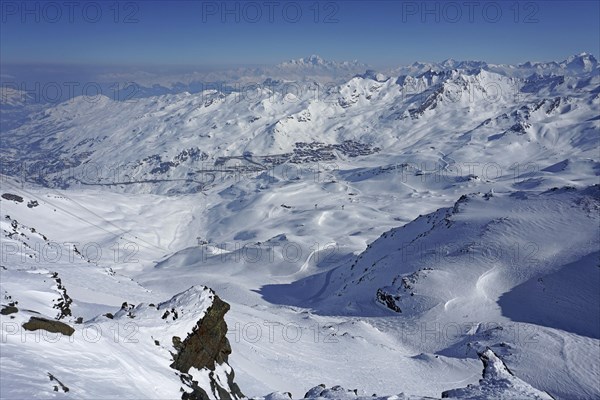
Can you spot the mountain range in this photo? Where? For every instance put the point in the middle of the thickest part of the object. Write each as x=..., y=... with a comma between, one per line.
x=324, y=229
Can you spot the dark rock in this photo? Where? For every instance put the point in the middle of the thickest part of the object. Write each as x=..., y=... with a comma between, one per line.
x=13, y=197
x=207, y=343
x=36, y=323
x=60, y=384
x=388, y=300
x=7, y=310
x=316, y=391
x=206, y=346
x=197, y=392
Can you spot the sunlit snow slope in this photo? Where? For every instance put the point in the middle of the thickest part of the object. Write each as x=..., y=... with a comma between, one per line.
x=394, y=234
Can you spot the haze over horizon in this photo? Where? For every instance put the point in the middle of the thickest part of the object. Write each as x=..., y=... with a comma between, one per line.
x=210, y=33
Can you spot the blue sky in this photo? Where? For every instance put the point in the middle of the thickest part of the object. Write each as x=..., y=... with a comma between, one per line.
x=379, y=33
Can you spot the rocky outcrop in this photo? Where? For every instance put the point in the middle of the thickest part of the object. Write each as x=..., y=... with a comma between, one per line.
x=388, y=300
x=9, y=309
x=189, y=333
x=63, y=303
x=12, y=197
x=207, y=344
x=49, y=325
x=498, y=382
x=207, y=349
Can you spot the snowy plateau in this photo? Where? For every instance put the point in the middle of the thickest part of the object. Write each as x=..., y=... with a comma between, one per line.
x=328, y=232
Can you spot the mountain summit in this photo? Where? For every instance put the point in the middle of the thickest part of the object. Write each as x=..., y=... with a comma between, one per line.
x=316, y=61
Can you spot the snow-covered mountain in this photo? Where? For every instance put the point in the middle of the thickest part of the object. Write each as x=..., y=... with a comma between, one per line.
x=573, y=65
x=488, y=262
x=173, y=140
x=386, y=233
x=315, y=62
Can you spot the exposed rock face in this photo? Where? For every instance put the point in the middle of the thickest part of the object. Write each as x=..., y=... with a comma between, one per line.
x=36, y=323
x=207, y=344
x=9, y=309
x=388, y=300
x=189, y=331
x=63, y=304
x=207, y=347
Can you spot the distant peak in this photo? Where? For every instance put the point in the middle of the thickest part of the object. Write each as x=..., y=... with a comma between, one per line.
x=452, y=63
x=583, y=56
x=449, y=62
x=373, y=75
x=582, y=62
x=316, y=61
